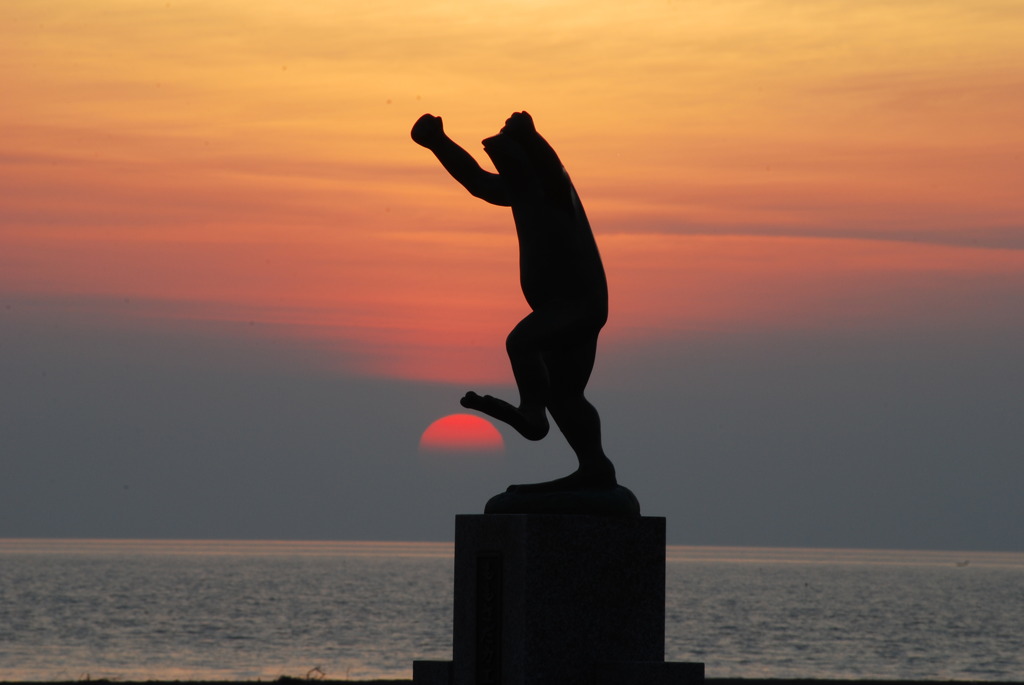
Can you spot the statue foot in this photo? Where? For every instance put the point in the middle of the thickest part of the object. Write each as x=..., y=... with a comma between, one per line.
x=614, y=501
x=530, y=427
x=593, y=479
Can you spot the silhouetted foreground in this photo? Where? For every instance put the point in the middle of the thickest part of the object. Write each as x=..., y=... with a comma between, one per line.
x=709, y=681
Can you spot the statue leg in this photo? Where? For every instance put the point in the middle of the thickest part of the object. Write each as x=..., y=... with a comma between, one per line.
x=569, y=370
x=576, y=417
x=524, y=346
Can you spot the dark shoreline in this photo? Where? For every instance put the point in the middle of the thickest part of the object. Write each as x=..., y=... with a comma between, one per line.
x=710, y=681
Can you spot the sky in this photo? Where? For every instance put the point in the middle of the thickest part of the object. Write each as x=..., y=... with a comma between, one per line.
x=234, y=293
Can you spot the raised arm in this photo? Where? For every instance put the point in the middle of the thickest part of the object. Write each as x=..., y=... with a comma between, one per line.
x=428, y=131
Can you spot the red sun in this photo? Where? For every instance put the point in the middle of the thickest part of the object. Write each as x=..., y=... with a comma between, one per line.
x=461, y=433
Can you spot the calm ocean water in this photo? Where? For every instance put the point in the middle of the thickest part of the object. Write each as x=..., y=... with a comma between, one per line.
x=171, y=610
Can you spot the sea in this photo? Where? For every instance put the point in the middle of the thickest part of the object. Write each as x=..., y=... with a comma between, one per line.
x=134, y=610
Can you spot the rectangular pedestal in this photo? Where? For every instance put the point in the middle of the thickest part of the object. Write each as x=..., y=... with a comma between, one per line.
x=544, y=599
x=651, y=673
x=558, y=600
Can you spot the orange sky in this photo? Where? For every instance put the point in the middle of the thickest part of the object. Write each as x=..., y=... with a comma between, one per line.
x=746, y=165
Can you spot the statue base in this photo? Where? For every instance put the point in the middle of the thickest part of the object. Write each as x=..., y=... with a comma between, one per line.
x=617, y=501
x=559, y=600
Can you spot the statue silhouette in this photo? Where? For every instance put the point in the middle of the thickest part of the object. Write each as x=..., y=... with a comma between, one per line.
x=552, y=349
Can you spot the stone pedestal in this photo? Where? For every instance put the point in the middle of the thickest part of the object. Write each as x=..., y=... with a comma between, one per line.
x=558, y=600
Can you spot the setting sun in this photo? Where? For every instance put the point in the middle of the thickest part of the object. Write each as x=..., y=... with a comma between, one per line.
x=461, y=433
